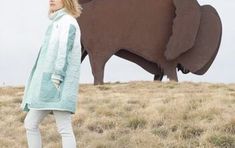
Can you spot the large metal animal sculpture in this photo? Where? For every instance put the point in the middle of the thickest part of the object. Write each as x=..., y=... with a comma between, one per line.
x=158, y=35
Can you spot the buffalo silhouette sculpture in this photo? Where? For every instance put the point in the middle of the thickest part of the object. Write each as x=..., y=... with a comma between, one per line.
x=161, y=36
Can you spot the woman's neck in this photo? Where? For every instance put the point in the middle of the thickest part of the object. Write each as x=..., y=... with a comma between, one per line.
x=57, y=14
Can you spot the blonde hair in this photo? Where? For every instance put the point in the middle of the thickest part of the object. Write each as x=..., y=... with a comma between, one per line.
x=72, y=7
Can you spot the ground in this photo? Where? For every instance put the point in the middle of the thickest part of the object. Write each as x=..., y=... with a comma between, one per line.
x=137, y=114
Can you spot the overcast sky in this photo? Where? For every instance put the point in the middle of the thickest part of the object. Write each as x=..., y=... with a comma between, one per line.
x=24, y=22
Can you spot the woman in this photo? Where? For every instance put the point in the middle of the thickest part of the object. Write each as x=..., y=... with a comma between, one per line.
x=53, y=84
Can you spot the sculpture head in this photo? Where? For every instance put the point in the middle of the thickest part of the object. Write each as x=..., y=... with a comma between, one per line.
x=199, y=58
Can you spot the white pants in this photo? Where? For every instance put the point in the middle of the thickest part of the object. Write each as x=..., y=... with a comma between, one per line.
x=63, y=123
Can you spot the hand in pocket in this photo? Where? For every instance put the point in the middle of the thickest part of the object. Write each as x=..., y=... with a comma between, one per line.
x=50, y=88
x=56, y=83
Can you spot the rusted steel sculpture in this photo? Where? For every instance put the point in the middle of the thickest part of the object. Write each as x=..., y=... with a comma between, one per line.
x=158, y=35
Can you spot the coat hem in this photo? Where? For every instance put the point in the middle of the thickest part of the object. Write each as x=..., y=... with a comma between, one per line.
x=26, y=107
x=51, y=109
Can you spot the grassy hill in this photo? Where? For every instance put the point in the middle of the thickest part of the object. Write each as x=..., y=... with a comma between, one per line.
x=139, y=114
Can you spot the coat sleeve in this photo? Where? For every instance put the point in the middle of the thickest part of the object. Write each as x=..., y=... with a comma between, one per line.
x=67, y=33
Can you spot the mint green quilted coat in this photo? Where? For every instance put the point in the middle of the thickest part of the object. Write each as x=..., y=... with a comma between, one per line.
x=58, y=58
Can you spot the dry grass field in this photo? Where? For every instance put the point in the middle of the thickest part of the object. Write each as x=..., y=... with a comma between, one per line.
x=138, y=114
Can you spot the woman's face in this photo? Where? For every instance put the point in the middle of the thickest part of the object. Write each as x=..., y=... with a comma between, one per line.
x=56, y=5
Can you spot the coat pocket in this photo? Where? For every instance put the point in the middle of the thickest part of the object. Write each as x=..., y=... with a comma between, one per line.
x=48, y=91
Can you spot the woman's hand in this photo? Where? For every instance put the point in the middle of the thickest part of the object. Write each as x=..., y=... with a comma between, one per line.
x=56, y=83
x=56, y=79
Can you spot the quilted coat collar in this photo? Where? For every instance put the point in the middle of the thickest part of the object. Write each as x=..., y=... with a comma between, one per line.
x=57, y=14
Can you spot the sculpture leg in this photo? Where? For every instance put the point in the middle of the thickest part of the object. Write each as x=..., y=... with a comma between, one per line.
x=97, y=66
x=171, y=73
x=99, y=75
x=158, y=77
